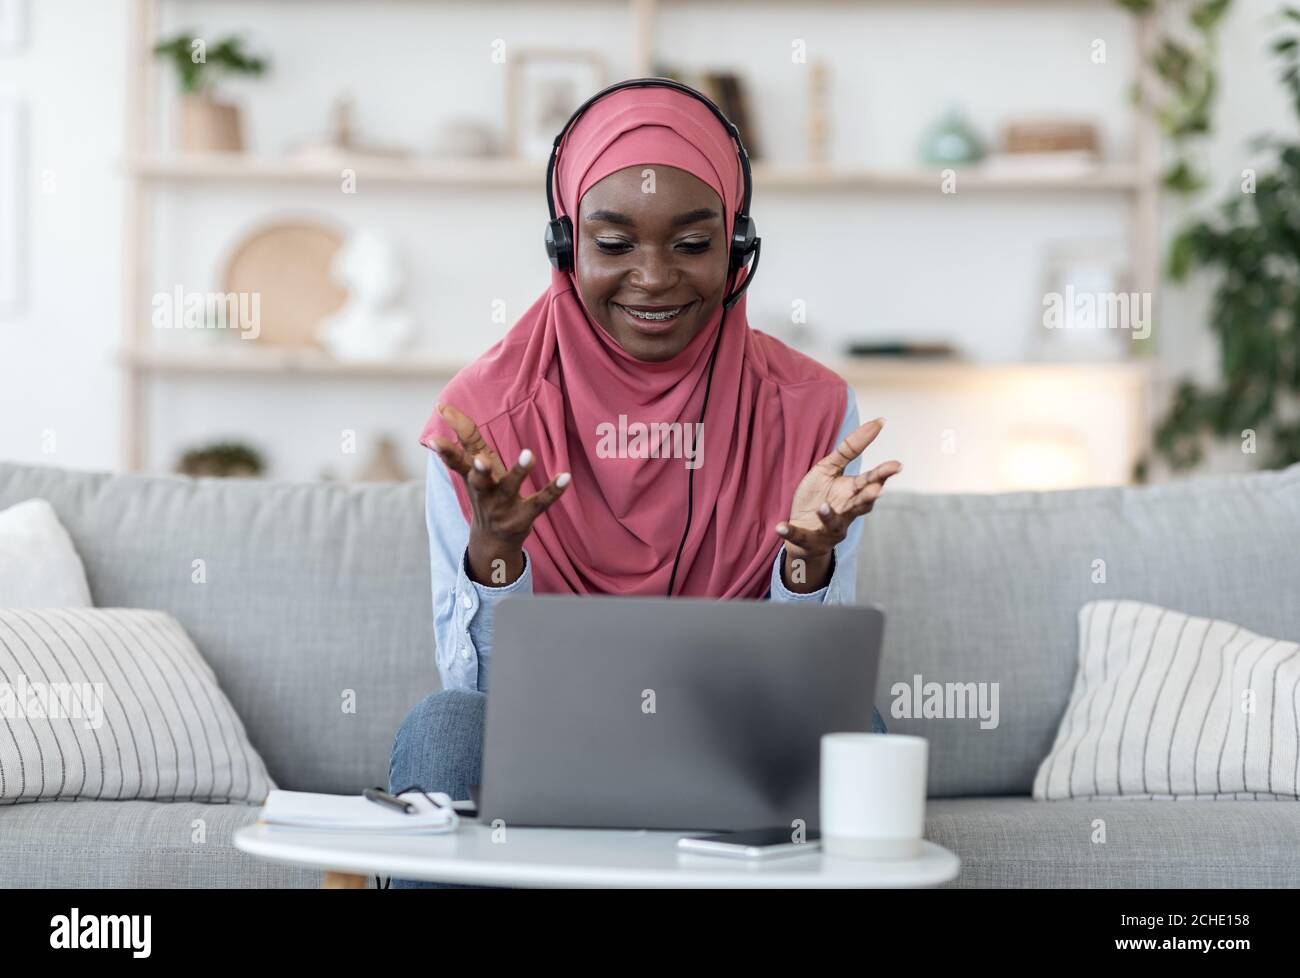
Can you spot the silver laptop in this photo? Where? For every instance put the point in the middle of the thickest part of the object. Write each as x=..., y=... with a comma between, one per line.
x=669, y=714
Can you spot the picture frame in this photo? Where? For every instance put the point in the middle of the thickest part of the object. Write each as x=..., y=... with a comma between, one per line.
x=12, y=209
x=546, y=85
x=13, y=23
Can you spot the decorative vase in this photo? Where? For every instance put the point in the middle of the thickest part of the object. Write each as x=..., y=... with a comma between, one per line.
x=209, y=126
x=952, y=141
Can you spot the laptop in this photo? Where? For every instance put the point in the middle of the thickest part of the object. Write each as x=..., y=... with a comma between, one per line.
x=656, y=713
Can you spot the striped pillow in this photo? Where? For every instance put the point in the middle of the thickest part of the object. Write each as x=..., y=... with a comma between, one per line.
x=113, y=703
x=1166, y=705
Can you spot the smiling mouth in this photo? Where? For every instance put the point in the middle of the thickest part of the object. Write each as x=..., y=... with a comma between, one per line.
x=653, y=319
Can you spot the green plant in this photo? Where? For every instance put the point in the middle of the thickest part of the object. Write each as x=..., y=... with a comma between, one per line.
x=1252, y=244
x=222, y=459
x=198, y=66
x=1186, y=68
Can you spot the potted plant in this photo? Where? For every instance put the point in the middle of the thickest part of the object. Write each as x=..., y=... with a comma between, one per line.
x=207, y=124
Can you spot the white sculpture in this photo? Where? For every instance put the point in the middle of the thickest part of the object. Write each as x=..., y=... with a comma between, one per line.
x=372, y=324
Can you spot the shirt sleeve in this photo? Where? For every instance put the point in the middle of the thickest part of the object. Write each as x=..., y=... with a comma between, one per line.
x=843, y=586
x=463, y=609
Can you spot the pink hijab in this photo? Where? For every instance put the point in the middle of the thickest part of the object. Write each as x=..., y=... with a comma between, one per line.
x=557, y=377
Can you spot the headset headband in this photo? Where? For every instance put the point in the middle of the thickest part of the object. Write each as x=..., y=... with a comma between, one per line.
x=650, y=83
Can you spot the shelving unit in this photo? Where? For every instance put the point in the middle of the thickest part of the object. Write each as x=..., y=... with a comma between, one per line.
x=510, y=174
x=859, y=371
x=148, y=173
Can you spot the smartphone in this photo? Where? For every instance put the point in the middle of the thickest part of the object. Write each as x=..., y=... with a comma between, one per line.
x=751, y=844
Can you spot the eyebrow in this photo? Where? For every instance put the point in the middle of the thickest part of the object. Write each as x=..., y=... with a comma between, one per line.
x=690, y=217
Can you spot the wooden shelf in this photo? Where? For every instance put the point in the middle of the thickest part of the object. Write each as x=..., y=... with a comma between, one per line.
x=855, y=370
x=497, y=174
x=284, y=361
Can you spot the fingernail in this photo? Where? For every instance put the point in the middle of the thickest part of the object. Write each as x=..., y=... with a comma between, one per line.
x=782, y=529
x=825, y=509
x=479, y=463
x=439, y=406
x=880, y=421
x=563, y=480
x=525, y=458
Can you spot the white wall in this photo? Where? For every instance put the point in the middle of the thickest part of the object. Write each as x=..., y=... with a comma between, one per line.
x=966, y=268
x=58, y=387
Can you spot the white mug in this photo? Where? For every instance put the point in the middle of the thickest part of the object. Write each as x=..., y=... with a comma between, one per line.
x=873, y=794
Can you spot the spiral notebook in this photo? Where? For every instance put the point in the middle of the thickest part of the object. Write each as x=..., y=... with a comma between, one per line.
x=355, y=813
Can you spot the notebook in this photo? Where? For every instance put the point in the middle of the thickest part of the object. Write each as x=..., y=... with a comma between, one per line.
x=355, y=813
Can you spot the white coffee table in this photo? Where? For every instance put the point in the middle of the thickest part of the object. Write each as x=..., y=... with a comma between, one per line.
x=537, y=857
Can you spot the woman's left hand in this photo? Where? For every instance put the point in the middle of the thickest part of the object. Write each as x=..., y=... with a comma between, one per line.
x=826, y=502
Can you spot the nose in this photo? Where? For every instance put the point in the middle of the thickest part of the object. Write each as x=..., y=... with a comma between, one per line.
x=654, y=274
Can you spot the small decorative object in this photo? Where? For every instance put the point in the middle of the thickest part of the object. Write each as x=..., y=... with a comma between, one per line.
x=207, y=124
x=13, y=17
x=372, y=324
x=1050, y=136
x=384, y=465
x=222, y=460
x=1086, y=312
x=952, y=141
x=342, y=145
x=903, y=349
x=728, y=91
x=546, y=85
x=819, y=118
x=464, y=139
x=1055, y=147
x=12, y=210
x=287, y=266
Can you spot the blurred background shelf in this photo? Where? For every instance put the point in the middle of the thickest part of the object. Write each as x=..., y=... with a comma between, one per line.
x=279, y=362
x=856, y=370
x=863, y=244
x=512, y=174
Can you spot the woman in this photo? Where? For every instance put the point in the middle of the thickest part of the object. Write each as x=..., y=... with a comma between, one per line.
x=545, y=479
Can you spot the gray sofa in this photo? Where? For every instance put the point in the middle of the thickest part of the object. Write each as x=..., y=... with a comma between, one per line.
x=316, y=590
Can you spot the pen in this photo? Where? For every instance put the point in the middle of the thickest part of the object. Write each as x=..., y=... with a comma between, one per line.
x=381, y=797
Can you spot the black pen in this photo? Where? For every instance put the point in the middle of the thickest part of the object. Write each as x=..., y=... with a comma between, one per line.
x=381, y=797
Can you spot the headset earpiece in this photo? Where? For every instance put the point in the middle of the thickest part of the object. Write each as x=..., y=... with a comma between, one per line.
x=559, y=243
x=743, y=236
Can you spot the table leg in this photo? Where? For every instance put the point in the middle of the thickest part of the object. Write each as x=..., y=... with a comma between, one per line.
x=331, y=880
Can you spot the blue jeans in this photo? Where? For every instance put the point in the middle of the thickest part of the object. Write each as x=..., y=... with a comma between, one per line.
x=440, y=748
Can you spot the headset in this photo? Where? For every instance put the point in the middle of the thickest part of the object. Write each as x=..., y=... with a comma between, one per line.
x=744, y=243
x=744, y=234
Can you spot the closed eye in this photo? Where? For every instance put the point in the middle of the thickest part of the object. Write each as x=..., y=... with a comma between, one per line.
x=692, y=246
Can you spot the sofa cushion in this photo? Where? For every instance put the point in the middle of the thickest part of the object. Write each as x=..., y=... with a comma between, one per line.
x=1022, y=843
x=116, y=703
x=311, y=602
x=985, y=590
x=99, y=844
x=1173, y=705
x=39, y=566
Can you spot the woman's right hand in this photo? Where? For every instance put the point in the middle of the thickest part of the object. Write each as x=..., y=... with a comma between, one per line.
x=501, y=518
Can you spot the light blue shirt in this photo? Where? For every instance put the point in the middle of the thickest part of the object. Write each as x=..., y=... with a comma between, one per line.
x=463, y=609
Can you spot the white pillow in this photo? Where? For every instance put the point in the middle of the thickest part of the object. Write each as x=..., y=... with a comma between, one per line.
x=114, y=703
x=1166, y=705
x=39, y=566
